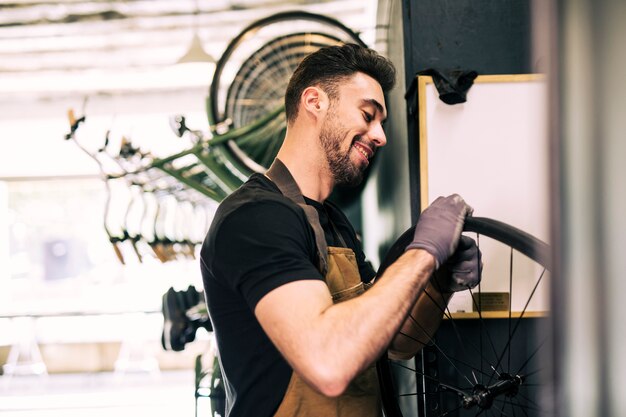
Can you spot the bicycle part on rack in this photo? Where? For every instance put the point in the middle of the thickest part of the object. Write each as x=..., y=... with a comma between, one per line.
x=74, y=123
x=179, y=126
x=132, y=226
x=246, y=127
x=184, y=312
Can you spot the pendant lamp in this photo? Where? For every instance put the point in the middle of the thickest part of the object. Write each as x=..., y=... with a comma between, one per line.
x=196, y=52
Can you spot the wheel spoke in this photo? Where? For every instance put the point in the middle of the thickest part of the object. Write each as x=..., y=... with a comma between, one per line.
x=519, y=320
x=486, y=332
x=472, y=367
x=446, y=312
x=528, y=400
x=512, y=407
x=438, y=348
x=520, y=407
x=437, y=381
x=450, y=411
x=457, y=333
x=532, y=355
x=408, y=336
x=502, y=413
x=525, y=407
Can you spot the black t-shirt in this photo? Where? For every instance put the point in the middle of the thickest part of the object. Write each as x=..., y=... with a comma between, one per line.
x=258, y=241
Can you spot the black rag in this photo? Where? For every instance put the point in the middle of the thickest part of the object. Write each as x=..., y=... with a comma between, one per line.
x=452, y=85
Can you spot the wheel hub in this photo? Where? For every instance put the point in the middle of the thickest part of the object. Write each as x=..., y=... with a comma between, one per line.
x=483, y=396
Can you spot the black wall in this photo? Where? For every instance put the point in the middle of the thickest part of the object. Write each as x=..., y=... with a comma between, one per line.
x=486, y=36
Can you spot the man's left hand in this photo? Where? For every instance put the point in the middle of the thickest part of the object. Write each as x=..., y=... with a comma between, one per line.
x=462, y=270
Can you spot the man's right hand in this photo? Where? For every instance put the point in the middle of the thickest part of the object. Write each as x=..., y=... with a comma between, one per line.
x=439, y=227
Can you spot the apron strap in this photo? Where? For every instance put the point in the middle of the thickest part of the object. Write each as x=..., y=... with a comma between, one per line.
x=280, y=175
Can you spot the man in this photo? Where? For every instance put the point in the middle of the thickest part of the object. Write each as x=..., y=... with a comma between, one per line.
x=285, y=278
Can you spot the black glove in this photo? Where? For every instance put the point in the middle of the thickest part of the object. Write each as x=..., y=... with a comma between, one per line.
x=439, y=227
x=462, y=270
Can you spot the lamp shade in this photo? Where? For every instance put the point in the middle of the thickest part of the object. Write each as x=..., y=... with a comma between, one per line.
x=196, y=52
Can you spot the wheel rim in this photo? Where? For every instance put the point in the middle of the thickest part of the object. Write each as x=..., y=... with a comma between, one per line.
x=258, y=88
x=486, y=366
x=238, y=81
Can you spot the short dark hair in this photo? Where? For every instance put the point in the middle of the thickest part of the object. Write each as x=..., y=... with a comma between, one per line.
x=332, y=64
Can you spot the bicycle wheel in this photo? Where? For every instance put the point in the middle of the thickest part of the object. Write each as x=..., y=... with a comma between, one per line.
x=480, y=362
x=251, y=76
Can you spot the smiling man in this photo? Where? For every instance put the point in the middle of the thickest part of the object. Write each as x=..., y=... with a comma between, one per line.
x=298, y=314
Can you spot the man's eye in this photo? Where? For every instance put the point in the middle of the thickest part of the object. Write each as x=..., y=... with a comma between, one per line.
x=368, y=117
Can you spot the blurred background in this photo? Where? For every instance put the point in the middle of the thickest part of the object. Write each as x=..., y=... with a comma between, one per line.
x=100, y=287
x=79, y=330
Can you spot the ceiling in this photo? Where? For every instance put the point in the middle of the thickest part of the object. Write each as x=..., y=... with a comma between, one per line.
x=55, y=48
x=115, y=61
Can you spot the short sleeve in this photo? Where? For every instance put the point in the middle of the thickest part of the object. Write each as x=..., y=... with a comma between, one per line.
x=261, y=246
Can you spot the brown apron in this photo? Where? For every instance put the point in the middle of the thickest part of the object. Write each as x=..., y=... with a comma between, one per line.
x=341, y=272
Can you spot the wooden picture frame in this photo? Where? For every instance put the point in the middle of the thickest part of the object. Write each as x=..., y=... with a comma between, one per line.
x=493, y=151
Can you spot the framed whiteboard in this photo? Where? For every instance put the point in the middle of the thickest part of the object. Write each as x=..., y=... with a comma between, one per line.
x=493, y=151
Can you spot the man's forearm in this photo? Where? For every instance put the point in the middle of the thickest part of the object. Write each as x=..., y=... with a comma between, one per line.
x=354, y=333
x=421, y=324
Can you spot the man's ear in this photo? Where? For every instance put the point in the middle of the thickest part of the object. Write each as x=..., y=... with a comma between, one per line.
x=314, y=101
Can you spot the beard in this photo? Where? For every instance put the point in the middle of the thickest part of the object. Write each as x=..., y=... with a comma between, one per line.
x=343, y=170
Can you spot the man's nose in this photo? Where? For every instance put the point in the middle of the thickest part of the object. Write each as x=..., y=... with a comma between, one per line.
x=377, y=135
